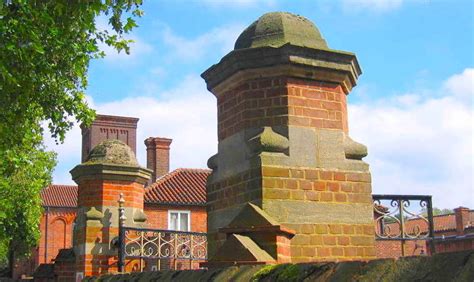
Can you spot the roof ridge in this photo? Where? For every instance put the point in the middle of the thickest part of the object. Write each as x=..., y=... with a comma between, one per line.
x=174, y=172
x=66, y=185
x=193, y=169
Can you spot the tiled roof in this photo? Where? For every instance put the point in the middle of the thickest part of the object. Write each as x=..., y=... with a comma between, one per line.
x=59, y=196
x=443, y=222
x=182, y=186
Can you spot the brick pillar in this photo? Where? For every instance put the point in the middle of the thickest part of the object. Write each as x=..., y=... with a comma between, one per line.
x=158, y=156
x=111, y=169
x=284, y=143
x=106, y=127
x=462, y=219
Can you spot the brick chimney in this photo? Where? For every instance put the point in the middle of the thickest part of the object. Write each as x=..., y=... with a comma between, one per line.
x=462, y=219
x=106, y=127
x=158, y=156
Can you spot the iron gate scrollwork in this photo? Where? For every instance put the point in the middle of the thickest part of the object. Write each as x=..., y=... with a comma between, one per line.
x=163, y=249
x=155, y=246
x=403, y=218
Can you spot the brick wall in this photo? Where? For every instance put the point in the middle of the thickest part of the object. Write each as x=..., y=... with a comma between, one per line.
x=53, y=237
x=158, y=156
x=454, y=245
x=57, y=235
x=281, y=101
x=325, y=240
x=157, y=216
x=107, y=193
x=393, y=249
x=106, y=127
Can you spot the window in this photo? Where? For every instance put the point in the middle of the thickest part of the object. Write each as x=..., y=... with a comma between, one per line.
x=179, y=220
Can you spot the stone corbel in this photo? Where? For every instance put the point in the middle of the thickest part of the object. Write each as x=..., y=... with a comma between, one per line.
x=139, y=216
x=268, y=141
x=94, y=214
x=354, y=150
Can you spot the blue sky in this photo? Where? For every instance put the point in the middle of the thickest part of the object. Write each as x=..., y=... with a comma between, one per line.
x=412, y=107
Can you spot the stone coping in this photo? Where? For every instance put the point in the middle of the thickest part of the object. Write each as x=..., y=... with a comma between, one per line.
x=327, y=61
x=99, y=171
x=457, y=266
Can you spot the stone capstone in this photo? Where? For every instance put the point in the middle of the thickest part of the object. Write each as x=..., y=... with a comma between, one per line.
x=112, y=152
x=279, y=28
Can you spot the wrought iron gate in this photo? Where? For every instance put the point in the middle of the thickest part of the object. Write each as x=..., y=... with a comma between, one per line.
x=147, y=249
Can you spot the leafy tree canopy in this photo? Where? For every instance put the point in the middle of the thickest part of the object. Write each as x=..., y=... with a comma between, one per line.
x=45, y=50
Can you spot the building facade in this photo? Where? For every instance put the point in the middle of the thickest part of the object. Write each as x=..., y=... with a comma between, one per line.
x=174, y=200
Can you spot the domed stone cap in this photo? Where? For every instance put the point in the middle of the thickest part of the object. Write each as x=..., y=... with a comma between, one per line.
x=279, y=28
x=112, y=152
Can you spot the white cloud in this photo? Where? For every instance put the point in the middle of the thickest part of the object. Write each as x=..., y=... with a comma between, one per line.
x=418, y=143
x=218, y=42
x=421, y=144
x=461, y=86
x=376, y=6
x=138, y=47
x=187, y=114
x=373, y=5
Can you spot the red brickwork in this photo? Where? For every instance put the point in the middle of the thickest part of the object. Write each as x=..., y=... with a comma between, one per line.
x=456, y=245
x=323, y=241
x=316, y=185
x=157, y=216
x=393, y=249
x=106, y=127
x=57, y=235
x=281, y=101
x=158, y=156
x=313, y=241
x=107, y=192
x=65, y=271
x=235, y=190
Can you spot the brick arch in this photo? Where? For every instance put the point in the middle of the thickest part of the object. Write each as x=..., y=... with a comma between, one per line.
x=57, y=235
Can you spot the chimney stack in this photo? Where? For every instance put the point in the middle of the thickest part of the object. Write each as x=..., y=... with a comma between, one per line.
x=158, y=156
x=106, y=127
x=462, y=219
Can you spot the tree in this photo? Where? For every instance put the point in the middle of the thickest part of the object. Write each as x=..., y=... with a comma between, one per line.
x=45, y=50
x=438, y=211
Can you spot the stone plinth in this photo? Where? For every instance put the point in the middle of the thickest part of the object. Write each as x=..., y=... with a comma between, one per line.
x=284, y=143
x=110, y=170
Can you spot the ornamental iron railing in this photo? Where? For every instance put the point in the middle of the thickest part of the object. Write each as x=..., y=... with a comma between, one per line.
x=404, y=218
x=147, y=249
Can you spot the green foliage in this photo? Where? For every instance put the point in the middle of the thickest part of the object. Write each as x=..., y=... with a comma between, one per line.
x=283, y=272
x=437, y=211
x=45, y=50
x=264, y=272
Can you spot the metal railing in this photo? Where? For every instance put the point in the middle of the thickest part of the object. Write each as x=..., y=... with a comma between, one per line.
x=404, y=218
x=157, y=249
